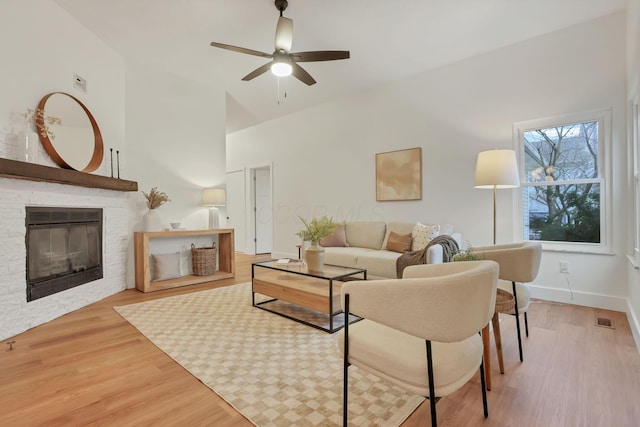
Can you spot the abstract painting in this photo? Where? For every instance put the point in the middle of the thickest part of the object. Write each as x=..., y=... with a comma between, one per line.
x=399, y=175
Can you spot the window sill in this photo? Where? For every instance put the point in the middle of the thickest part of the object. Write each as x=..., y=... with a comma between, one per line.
x=576, y=248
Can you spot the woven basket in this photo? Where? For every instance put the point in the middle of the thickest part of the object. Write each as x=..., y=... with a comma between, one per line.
x=203, y=260
x=504, y=301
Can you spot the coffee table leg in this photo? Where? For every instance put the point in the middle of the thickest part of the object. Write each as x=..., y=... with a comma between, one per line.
x=330, y=306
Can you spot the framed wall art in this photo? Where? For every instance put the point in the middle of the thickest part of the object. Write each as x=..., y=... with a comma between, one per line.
x=399, y=175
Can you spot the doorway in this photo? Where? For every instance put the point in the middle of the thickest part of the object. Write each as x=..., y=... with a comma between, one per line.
x=262, y=209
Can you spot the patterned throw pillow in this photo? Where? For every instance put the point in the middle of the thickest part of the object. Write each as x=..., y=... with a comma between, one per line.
x=422, y=235
x=398, y=243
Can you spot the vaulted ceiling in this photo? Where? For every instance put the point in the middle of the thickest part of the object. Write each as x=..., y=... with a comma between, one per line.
x=388, y=40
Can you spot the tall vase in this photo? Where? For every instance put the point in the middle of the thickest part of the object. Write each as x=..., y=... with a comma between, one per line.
x=31, y=145
x=315, y=257
x=151, y=221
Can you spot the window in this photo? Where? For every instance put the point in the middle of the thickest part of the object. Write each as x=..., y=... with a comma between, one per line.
x=563, y=194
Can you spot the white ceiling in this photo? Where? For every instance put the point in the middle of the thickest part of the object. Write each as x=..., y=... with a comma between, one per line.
x=388, y=40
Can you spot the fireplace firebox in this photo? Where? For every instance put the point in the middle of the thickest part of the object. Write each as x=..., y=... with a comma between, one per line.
x=64, y=249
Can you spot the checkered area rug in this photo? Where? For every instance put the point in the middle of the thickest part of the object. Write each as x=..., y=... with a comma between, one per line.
x=274, y=371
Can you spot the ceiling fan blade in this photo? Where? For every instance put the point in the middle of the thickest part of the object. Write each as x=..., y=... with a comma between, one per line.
x=241, y=50
x=320, y=55
x=284, y=34
x=301, y=74
x=258, y=71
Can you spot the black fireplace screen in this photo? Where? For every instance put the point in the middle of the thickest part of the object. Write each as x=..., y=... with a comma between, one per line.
x=64, y=249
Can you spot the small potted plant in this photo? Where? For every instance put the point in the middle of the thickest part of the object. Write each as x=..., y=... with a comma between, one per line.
x=313, y=231
x=466, y=255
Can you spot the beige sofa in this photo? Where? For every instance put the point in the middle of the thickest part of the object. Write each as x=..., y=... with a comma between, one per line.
x=367, y=243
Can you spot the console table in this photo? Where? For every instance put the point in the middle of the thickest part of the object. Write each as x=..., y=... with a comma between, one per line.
x=226, y=258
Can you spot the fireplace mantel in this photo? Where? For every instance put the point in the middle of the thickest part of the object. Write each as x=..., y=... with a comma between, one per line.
x=30, y=171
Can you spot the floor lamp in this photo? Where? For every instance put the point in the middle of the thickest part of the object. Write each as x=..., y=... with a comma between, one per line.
x=212, y=198
x=496, y=169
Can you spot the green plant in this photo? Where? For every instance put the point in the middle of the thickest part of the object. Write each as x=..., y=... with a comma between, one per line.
x=316, y=229
x=466, y=254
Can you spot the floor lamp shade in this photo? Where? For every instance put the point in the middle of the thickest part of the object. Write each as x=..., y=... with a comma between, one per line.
x=496, y=169
x=213, y=197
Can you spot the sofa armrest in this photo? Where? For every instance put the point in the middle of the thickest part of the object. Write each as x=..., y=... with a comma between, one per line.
x=435, y=253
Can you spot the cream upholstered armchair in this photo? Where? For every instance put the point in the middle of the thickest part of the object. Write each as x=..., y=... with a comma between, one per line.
x=421, y=332
x=519, y=265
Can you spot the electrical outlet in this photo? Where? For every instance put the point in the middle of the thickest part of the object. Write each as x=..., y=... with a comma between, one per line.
x=564, y=267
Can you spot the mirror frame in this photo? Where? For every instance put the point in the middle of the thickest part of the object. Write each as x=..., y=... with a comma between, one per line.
x=98, y=147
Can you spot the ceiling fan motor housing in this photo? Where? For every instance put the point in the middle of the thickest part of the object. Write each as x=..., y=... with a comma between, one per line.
x=281, y=5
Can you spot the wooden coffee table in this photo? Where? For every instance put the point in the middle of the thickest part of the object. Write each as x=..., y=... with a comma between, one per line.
x=295, y=284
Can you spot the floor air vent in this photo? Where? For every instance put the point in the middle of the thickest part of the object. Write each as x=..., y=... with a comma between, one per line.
x=603, y=322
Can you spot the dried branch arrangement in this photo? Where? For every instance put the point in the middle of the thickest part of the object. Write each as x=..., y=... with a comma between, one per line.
x=34, y=116
x=155, y=198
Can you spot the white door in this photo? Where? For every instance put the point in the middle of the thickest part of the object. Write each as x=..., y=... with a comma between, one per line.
x=263, y=210
x=236, y=208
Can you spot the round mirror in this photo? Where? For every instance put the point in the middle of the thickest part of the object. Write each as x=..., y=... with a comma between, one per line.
x=74, y=141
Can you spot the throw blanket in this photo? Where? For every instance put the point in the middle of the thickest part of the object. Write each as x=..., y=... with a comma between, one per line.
x=449, y=249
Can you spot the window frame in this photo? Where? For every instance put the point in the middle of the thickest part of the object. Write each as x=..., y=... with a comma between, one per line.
x=635, y=147
x=603, y=117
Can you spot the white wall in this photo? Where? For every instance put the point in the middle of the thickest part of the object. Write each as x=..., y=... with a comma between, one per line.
x=633, y=86
x=324, y=157
x=42, y=47
x=176, y=142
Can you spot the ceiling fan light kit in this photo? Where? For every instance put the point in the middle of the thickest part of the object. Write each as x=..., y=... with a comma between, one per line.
x=283, y=61
x=281, y=65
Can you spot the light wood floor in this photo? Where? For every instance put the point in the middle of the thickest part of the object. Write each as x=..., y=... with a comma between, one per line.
x=91, y=367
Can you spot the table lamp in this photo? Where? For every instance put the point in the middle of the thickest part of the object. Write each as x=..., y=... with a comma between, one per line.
x=212, y=198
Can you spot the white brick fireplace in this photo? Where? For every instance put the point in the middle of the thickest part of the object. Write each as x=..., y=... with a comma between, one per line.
x=18, y=315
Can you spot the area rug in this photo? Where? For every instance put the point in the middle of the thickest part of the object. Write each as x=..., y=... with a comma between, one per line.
x=274, y=371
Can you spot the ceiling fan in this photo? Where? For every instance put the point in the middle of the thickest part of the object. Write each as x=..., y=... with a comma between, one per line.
x=284, y=62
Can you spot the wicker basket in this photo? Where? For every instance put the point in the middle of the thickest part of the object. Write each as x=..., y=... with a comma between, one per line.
x=203, y=260
x=504, y=301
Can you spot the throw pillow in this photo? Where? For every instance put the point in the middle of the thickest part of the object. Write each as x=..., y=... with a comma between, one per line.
x=166, y=266
x=398, y=243
x=337, y=239
x=422, y=235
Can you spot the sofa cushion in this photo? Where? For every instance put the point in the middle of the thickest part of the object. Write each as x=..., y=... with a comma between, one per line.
x=337, y=239
x=379, y=263
x=422, y=235
x=366, y=234
x=399, y=243
x=343, y=256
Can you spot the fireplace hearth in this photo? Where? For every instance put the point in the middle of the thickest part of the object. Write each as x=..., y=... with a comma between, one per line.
x=64, y=249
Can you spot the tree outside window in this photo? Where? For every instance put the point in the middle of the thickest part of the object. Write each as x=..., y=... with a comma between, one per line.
x=562, y=183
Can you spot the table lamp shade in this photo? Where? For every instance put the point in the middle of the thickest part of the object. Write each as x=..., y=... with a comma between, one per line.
x=213, y=197
x=497, y=169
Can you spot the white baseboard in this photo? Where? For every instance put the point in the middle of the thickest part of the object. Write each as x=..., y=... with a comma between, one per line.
x=588, y=299
x=606, y=302
x=634, y=323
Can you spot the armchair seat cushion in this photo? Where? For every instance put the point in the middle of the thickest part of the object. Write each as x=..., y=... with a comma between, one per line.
x=401, y=358
x=523, y=291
